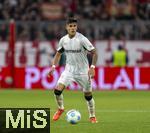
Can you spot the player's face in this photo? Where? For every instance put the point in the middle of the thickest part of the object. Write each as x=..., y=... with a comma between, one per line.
x=71, y=29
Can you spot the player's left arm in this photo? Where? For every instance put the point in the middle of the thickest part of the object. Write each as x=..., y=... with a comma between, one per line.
x=91, y=71
x=89, y=47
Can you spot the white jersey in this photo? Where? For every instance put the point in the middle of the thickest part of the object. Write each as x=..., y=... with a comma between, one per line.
x=76, y=53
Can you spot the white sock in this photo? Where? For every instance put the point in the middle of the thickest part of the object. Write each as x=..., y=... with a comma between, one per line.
x=59, y=100
x=91, y=107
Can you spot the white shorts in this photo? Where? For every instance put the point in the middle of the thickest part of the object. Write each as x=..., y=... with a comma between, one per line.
x=83, y=80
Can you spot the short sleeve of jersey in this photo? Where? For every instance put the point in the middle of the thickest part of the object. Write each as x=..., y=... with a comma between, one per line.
x=87, y=44
x=60, y=45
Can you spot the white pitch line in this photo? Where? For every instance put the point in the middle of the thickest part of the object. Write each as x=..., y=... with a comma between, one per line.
x=124, y=111
x=115, y=111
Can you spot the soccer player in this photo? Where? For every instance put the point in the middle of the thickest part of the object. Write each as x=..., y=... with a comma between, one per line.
x=75, y=45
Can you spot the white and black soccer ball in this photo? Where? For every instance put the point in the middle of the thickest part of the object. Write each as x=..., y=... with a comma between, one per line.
x=73, y=116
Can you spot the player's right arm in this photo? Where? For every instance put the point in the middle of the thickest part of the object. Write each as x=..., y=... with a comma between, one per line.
x=55, y=61
x=57, y=57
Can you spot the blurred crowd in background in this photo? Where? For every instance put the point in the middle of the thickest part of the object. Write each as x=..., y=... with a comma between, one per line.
x=99, y=19
x=88, y=9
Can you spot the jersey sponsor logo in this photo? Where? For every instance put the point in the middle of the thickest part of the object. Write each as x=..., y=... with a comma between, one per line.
x=73, y=51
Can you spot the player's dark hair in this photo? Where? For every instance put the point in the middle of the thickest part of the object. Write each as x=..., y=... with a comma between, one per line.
x=71, y=20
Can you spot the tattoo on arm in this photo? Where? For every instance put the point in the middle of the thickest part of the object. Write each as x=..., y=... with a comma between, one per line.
x=94, y=57
x=56, y=58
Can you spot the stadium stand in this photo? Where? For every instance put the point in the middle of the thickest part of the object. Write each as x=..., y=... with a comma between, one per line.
x=39, y=24
x=127, y=19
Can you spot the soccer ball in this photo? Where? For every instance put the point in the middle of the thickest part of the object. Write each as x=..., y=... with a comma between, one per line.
x=73, y=116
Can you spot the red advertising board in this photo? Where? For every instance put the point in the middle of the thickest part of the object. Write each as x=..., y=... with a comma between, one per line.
x=107, y=78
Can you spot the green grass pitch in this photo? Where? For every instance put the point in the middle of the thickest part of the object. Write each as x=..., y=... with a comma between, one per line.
x=117, y=111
